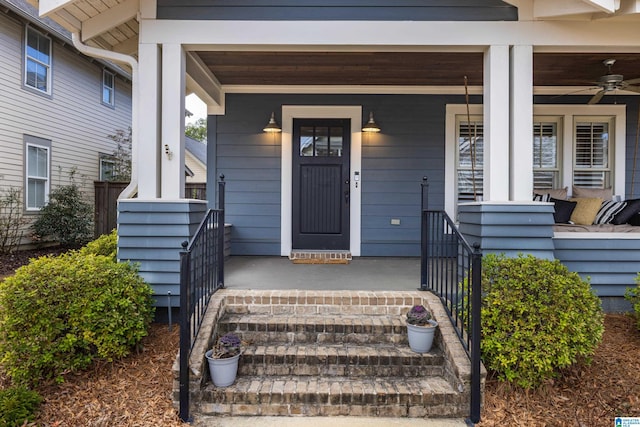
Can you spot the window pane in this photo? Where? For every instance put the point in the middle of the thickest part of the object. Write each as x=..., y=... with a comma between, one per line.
x=37, y=162
x=592, y=145
x=335, y=142
x=36, y=75
x=545, y=179
x=470, y=145
x=466, y=185
x=545, y=145
x=322, y=141
x=306, y=141
x=38, y=47
x=36, y=190
x=106, y=170
x=107, y=87
x=106, y=95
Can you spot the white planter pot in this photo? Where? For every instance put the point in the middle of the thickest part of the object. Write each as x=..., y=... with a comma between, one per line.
x=421, y=337
x=222, y=371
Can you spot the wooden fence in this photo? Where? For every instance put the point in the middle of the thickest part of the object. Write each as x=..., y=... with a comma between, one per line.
x=106, y=202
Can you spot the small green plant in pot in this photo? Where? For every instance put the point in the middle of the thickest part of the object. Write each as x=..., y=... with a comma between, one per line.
x=421, y=329
x=223, y=359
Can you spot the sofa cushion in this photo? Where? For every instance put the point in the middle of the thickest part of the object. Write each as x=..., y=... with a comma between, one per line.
x=586, y=210
x=562, y=210
x=608, y=210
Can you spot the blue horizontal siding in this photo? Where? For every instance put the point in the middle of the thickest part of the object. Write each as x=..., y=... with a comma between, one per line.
x=351, y=10
x=393, y=164
x=151, y=235
x=610, y=264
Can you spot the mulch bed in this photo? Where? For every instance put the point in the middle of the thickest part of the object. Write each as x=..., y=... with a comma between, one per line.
x=136, y=391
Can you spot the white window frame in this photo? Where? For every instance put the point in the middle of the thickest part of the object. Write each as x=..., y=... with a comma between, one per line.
x=28, y=59
x=558, y=121
x=31, y=141
x=111, y=90
x=566, y=114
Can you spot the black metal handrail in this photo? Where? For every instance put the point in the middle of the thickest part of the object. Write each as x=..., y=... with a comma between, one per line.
x=201, y=275
x=452, y=270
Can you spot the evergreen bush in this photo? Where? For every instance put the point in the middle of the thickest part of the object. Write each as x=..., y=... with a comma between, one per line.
x=633, y=295
x=18, y=406
x=67, y=218
x=61, y=313
x=537, y=318
x=106, y=245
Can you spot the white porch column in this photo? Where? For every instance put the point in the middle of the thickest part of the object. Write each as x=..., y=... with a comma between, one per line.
x=148, y=92
x=496, y=123
x=172, y=150
x=521, y=175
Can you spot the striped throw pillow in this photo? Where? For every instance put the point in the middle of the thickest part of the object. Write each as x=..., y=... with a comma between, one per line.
x=608, y=210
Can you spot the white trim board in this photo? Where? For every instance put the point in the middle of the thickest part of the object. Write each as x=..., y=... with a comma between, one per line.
x=290, y=112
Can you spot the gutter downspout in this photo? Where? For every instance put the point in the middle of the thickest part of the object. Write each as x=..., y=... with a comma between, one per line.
x=132, y=188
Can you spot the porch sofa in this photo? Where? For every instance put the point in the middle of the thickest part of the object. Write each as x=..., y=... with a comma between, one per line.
x=608, y=255
x=591, y=210
x=599, y=238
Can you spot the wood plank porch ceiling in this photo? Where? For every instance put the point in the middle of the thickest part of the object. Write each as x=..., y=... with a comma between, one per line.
x=402, y=68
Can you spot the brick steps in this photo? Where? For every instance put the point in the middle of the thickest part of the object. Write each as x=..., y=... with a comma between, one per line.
x=332, y=396
x=329, y=353
x=348, y=360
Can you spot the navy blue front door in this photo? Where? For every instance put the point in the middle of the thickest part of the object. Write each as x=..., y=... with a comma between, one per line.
x=321, y=159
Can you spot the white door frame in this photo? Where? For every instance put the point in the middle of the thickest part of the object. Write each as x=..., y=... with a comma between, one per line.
x=290, y=112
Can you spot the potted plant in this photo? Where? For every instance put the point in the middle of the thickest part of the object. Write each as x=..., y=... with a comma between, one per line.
x=223, y=359
x=420, y=329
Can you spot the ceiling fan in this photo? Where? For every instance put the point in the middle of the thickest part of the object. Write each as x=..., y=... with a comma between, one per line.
x=610, y=82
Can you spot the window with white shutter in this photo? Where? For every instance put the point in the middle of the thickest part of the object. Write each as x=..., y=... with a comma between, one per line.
x=470, y=159
x=592, y=165
x=546, y=154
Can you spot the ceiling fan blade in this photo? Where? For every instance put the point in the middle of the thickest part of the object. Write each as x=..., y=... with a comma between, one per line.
x=596, y=98
x=633, y=81
x=573, y=92
x=632, y=88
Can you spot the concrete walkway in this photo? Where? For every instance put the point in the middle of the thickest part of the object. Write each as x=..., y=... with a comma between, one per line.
x=363, y=273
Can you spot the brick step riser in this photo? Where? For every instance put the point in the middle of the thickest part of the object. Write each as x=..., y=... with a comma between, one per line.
x=257, y=338
x=255, y=370
x=253, y=397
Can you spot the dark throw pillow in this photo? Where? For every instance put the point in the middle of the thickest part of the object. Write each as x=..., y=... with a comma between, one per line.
x=562, y=210
x=632, y=208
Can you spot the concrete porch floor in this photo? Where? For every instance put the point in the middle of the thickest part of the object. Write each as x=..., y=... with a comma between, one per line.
x=363, y=273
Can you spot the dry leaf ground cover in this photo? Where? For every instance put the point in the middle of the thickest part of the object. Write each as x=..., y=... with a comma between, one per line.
x=136, y=391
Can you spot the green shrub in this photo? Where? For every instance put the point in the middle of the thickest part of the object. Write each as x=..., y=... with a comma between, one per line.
x=17, y=405
x=106, y=245
x=633, y=295
x=60, y=313
x=537, y=318
x=67, y=218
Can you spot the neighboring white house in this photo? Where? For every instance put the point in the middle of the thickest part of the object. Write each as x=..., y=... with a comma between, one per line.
x=195, y=160
x=57, y=108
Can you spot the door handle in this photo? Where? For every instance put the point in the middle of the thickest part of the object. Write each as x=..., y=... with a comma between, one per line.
x=346, y=196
